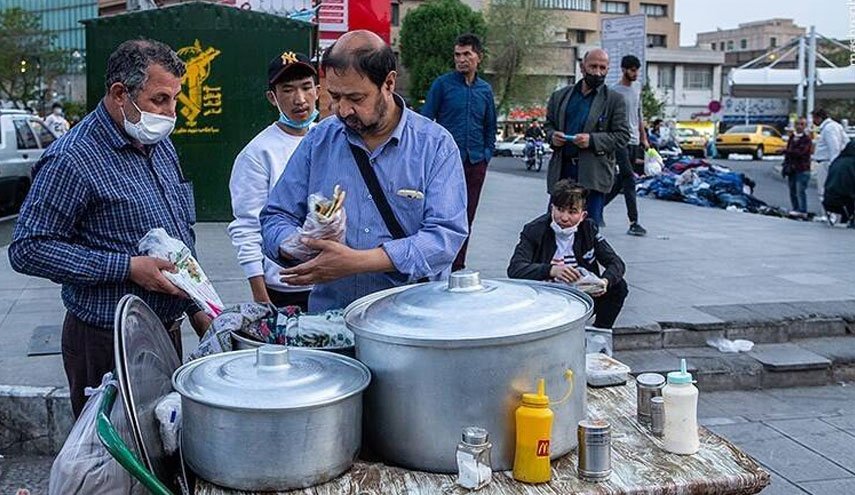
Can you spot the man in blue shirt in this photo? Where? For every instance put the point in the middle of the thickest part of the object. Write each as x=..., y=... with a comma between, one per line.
x=96, y=192
x=418, y=171
x=463, y=103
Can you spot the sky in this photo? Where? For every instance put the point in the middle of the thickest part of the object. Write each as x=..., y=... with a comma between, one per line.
x=831, y=17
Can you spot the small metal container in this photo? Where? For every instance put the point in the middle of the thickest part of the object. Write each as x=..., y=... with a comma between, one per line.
x=595, y=450
x=657, y=415
x=648, y=385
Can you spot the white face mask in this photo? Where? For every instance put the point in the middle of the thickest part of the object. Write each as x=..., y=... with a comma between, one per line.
x=151, y=128
x=563, y=232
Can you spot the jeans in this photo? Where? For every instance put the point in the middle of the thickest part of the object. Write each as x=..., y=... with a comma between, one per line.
x=596, y=200
x=798, y=190
x=625, y=182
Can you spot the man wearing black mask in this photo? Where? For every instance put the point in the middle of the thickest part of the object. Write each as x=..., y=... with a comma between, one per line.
x=585, y=124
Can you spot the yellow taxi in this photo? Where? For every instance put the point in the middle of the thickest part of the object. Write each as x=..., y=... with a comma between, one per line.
x=691, y=141
x=757, y=140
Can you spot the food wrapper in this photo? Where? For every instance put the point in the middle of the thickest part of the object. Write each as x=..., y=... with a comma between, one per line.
x=326, y=220
x=190, y=277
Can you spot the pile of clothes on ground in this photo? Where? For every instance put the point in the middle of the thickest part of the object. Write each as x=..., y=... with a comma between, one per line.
x=699, y=182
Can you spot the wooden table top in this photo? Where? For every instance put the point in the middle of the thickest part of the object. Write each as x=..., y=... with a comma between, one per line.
x=639, y=466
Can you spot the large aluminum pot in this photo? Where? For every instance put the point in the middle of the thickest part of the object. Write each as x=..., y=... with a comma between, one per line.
x=271, y=419
x=445, y=356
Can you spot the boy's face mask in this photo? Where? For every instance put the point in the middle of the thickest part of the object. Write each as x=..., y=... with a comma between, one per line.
x=564, y=222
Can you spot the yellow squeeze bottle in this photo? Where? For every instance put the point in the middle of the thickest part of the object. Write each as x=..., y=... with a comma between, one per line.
x=534, y=435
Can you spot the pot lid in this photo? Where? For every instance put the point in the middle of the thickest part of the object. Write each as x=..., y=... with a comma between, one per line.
x=271, y=377
x=467, y=310
x=145, y=362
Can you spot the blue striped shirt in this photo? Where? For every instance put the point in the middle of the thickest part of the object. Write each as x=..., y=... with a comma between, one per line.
x=94, y=196
x=419, y=155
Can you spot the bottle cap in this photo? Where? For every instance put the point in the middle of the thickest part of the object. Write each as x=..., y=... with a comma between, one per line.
x=681, y=376
x=538, y=399
x=474, y=435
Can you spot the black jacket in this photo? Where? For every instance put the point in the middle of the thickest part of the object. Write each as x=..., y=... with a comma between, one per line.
x=533, y=255
x=840, y=184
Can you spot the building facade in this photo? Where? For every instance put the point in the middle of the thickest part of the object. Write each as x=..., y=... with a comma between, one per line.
x=686, y=80
x=62, y=19
x=754, y=36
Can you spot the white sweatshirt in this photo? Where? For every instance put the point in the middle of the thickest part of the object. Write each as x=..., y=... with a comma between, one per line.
x=831, y=141
x=256, y=170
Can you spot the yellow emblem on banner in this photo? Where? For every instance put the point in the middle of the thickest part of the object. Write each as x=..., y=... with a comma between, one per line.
x=198, y=100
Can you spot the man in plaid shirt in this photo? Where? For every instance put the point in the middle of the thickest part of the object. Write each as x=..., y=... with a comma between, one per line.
x=96, y=192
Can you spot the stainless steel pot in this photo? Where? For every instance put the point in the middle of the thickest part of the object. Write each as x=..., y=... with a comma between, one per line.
x=273, y=418
x=444, y=357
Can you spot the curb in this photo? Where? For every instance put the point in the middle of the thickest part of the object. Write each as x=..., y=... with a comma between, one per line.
x=34, y=420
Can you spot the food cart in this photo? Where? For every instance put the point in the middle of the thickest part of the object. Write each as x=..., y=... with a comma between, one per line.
x=401, y=335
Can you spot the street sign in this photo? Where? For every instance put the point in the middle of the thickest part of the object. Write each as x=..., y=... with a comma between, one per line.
x=622, y=36
x=714, y=106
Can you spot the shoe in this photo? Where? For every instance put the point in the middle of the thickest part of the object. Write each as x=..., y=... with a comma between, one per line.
x=636, y=230
x=833, y=219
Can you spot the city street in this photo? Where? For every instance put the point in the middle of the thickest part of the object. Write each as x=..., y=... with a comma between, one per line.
x=771, y=187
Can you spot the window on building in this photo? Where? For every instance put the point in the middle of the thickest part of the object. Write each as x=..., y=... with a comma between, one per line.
x=582, y=5
x=666, y=76
x=773, y=42
x=614, y=7
x=730, y=45
x=743, y=44
x=721, y=46
x=654, y=10
x=655, y=40
x=697, y=77
x=712, y=46
x=396, y=14
x=581, y=36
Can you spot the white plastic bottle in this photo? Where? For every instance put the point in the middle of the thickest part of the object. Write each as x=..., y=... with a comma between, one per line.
x=681, y=412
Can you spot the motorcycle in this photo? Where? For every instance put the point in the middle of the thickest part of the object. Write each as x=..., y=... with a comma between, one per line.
x=534, y=154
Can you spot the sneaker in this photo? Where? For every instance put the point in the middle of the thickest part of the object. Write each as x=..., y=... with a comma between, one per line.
x=636, y=230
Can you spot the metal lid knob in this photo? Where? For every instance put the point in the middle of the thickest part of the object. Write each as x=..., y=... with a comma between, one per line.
x=270, y=356
x=474, y=435
x=465, y=281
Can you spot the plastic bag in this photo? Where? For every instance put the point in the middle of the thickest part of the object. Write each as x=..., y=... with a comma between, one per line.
x=589, y=283
x=653, y=162
x=83, y=465
x=727, y=345
x=190, y=277
x=598, y=340
x=168, y=414
x=326, y=220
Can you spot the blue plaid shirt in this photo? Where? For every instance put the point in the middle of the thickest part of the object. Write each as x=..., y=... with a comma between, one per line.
x=94, y=196
x=419, y=156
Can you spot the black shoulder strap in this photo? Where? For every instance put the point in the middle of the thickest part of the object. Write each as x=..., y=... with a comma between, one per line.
x=376, y=192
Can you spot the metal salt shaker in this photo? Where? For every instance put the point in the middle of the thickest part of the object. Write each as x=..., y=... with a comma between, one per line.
x=595, y=450
x=648, y=385
x=657, y=416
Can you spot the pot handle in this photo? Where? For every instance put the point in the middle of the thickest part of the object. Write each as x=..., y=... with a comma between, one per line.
x=568, y=375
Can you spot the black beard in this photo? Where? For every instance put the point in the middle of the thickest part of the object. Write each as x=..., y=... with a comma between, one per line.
x=357, y=125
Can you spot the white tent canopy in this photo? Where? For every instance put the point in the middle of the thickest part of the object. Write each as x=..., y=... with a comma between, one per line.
x=767, y=82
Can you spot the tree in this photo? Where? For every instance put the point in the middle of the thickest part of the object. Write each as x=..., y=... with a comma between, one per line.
x=516, y=29
x=27, y=57
x=651, y=106
x=427, y=40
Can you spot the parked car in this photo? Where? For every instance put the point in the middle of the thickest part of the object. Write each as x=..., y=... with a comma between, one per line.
x=512, y=146
x=23, y=139
x=691, y=141
x=757, y=140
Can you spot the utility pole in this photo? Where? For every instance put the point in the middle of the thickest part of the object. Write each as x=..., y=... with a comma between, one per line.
x=811, y=74
x=800, y=90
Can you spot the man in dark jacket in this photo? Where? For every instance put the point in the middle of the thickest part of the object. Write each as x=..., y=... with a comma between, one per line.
x=563, y=244
x=585, y=124
x=840, y=186
x=796, y=167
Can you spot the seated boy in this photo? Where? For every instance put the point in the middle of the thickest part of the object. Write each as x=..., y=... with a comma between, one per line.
x=561, y=245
